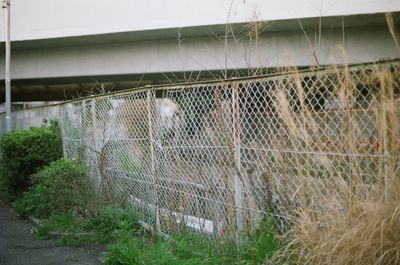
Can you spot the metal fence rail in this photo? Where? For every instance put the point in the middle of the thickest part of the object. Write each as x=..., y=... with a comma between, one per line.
x=219, y=157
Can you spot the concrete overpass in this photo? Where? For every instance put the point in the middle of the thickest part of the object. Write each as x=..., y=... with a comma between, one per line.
x=64, y=48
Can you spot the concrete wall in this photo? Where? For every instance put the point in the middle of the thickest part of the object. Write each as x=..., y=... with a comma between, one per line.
x=41, y=19
x=274, y=49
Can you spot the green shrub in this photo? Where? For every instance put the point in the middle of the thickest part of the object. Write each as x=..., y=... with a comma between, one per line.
x=23, y=152
x=34, y=202
x=61, y=187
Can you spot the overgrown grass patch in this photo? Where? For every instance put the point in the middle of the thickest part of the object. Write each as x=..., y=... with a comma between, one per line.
x=110, y=221
x=62, y=223
x=189, y=247
x=106, y=226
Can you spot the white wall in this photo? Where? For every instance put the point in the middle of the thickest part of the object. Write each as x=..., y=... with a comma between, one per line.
x=37, y=19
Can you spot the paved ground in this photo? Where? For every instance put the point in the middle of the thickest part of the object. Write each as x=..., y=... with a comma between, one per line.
x=18, y=246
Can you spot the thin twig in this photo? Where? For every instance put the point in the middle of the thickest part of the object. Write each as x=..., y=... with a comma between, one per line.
x=309, y=43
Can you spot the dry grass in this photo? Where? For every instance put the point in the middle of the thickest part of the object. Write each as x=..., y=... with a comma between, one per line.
x=367, y=233
x=345, y=217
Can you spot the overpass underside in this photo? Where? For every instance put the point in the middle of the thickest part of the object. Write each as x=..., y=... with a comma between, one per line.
x=64, y=68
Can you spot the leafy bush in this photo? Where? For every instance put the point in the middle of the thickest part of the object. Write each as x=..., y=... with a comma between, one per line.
x=23, y=152
x=62, y=197
x=61, y=187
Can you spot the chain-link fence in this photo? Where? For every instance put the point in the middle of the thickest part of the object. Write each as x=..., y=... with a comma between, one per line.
x=220, y=157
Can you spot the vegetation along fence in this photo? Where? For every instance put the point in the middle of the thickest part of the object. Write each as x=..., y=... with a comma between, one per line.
x=220, y=157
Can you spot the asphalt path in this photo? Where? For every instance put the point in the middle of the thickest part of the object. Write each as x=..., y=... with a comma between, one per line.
x=20, y=246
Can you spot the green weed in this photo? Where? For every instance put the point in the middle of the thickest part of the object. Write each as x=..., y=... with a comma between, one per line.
x=109, y=222
x=193, y=248
x=61, y=222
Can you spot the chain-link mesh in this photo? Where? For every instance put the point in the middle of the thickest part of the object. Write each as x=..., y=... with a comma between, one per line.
x=219, y=157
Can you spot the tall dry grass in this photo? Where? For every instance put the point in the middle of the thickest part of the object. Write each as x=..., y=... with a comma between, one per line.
x=348, y=213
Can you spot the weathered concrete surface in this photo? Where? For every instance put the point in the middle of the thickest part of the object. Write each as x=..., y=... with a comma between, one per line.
x=18, y=246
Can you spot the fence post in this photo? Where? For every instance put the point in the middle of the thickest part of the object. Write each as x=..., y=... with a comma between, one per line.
x=83, y=113
x=94, y=123
x=96, y=179
x=386, y=149
x=93, y=112
x=153, y=160
x=237, y=158
x=385, y=167
x=29, y=119
x=62, y=114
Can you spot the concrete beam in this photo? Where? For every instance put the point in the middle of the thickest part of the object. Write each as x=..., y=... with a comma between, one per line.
x=274, y=49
